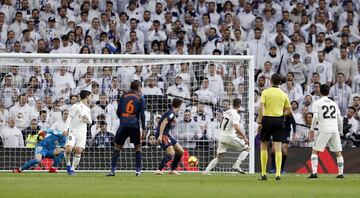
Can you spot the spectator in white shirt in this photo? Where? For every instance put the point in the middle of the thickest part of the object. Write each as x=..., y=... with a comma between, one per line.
x=4, y=114
x=204, y=94
x=214, y=16
x=341, y=92
x=178, y=88
x=202, y=117
x=158, y=14
x=18, y=26
x=104, y=107
x=55, y=46
x=22, y=112
x=216, y=83
x=95, y=30
x=11, y=136
x=154, y=34
x=60, y=124
x=43, y=122
x=134, y=10
x=84, y=23
x=85, y=83
x=50, y=32
x=146, y=23
x=8, y=92
x=109, y=11
x=238, y=47
x=151, y=88
x=213, y=42
x=187, y=131
x=63, y=83
x=137, y=45
x=247, y=17
x=188, y=76
x=9, y=11
x=134, y=28
x=94, y=10
x=28, y=44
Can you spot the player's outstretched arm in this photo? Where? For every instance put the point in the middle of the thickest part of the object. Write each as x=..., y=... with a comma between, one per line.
x=340, y=122
x=142, y=113
x=72, y=112
x=240, y=133
x=118, y=111
x=162, y=128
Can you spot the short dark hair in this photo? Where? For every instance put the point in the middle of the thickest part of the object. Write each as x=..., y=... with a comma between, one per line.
x=236, y=102
x=176, y=102
x=135, y=85
x=324, y=89
x=102, y=123
x=276, y=79
x=352, y=108
x=42, y=112
x=84, y=94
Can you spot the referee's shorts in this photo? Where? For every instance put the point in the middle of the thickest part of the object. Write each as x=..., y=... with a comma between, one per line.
x=272, y=128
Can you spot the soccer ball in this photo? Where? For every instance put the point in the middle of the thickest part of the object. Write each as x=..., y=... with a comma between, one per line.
x=193, y=161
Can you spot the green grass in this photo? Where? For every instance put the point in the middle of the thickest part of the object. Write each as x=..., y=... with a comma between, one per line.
x=86, y=185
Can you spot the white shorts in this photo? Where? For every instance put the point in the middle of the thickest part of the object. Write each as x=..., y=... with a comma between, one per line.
x=76, y=140
x=231, y=142
x=332, y=140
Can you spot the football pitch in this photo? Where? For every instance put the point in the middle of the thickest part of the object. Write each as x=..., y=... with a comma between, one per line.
x=86, y=185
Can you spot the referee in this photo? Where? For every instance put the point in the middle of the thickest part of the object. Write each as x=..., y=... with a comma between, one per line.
x=274, y=105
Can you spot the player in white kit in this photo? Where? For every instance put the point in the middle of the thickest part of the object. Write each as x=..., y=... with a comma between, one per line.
x=328, y=117
x=231, y=136
x=76, y=123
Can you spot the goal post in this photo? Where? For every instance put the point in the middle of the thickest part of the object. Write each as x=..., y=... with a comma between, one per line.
x=205, y=105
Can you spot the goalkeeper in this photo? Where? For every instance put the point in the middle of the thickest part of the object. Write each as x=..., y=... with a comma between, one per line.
x=51, y=147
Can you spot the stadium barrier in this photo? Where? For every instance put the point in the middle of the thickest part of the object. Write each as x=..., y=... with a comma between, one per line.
x=298, y=161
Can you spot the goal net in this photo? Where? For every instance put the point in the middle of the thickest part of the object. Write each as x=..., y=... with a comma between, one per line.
x=38, y=89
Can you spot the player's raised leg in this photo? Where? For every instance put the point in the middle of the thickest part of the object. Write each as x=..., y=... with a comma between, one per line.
x=179, y=151
x=221, y=149
x=58, y=156
x=241, y=158
x=219, y=157
x=170, y=153
x=37, y=159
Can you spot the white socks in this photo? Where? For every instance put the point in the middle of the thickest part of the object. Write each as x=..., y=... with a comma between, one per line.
x=76, y=160
x=212, y=164
x=67, y=159
x=241, y=158
x=314, y=163
x=340, y=163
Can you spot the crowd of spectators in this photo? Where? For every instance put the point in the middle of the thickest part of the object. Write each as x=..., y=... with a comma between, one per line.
x=309, y=42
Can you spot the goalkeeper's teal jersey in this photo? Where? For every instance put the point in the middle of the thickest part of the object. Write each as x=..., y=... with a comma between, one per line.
x=53, y=140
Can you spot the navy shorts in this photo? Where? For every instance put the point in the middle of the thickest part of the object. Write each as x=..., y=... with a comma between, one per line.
x=167, y=141
x=124, y=132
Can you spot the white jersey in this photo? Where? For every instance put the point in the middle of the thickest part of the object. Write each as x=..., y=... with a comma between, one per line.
x=76, y=122
x=327, y=114
x=229, y=119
